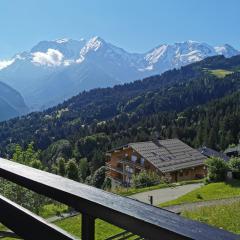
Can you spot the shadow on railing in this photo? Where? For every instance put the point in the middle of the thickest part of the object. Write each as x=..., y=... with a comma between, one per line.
x=136, y=218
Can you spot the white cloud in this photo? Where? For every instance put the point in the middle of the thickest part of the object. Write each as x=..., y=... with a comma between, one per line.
x=51, y=58
x=6, y=63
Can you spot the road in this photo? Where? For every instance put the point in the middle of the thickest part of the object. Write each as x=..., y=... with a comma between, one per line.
x=165, y=194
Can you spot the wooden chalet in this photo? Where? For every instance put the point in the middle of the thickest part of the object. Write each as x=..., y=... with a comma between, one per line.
x=171, y=159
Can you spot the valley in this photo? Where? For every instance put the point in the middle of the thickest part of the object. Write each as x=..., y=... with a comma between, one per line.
x=12, y=103
x=190, y=104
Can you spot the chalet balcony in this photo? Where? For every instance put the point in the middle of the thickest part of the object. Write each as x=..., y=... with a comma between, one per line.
x=118, y=169
x=131, y=163
x=139, y=220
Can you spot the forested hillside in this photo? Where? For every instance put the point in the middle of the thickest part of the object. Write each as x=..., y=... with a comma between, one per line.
x=196, y=104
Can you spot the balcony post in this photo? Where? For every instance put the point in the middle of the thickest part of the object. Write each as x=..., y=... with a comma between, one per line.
x=88, y=227
x=123, y=170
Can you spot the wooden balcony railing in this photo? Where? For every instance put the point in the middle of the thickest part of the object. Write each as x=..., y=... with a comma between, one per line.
x=138, y=218
x=131, y=163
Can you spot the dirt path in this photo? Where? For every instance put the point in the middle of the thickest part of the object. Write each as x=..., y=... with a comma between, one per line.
x=62, y=216
x=165, y=194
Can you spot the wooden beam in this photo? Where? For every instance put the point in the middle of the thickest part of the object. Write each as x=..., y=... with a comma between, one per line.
x=5, y=234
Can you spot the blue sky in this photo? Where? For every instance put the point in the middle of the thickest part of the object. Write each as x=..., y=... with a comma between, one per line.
x=136, y=25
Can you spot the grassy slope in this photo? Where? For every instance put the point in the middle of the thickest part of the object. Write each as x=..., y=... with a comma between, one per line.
x=50, y=210
x=103, y=229
x=222, y=216
x=220, y=73
x=208, y=192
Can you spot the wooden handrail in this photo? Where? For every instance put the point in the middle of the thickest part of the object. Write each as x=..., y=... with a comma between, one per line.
x=28, y=225
x=139, y=218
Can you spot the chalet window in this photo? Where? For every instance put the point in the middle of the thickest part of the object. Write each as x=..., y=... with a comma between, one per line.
x=134, y=158
x=142, y=161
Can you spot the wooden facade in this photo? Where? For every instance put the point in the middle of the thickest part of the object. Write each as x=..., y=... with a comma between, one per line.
x=123, y=164
x=197, y=172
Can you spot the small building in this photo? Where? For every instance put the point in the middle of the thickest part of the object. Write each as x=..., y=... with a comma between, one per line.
x=208, y=152
x=171, y=159
x=233, y=151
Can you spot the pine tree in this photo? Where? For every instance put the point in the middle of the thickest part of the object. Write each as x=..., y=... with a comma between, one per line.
x=72, y=170
x=83, y=168
x=61, y=165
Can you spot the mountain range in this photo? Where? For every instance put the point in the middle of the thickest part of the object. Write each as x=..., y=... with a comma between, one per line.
x=53, y=71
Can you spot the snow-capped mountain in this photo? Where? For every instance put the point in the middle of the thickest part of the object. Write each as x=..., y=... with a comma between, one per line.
x=53, y=71
x=166, y=57
x=226, y=50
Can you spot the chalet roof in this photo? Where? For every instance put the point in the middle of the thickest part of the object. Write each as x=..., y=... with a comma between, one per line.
x=233, y=149
x=208, y=152
x=169, y=155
